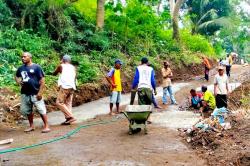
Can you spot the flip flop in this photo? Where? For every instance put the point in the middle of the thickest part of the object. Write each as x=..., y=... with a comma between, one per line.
x=45, y=130
x=65, y=123
x=29, y=130
x=70, y=121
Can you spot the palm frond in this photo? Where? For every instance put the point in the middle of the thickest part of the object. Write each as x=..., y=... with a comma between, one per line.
x=211, y=12
x=203, y=4
x=222, y=21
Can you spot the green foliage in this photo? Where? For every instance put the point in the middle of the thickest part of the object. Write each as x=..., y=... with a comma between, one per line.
x=5, y=14
x=87, y=8
x=197, y=43
x=8, y=62
x=86, y=71
x=25, y=41
x=50, y=28
x=208, y=16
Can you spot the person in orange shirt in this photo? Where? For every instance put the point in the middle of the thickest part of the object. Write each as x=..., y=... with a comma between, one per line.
x=207, y=67
x=114, y=78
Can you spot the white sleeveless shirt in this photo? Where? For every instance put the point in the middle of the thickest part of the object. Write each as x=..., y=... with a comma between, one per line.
x=145, y=73
x=67, y=77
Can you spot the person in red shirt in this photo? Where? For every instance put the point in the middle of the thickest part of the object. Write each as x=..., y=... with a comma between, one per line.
x=195, y=99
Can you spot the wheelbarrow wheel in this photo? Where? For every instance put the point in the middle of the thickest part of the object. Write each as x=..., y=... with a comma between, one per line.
x=145, y=131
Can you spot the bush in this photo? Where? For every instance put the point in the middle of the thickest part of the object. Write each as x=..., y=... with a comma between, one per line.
x=9, y=61
x=86, y=70
x=197, y=43
x=25, y=41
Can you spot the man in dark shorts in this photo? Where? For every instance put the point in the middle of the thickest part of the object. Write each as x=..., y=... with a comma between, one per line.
x=144, y=80
x=30, y=77
x=221, y=88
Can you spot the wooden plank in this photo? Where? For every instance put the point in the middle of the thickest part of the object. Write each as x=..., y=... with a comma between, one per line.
x=6, y=141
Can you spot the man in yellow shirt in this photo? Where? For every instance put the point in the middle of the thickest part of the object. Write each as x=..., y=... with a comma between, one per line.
x=208, y=102
x=114, y=78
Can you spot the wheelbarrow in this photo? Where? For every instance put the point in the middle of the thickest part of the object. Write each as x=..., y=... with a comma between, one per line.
x=137, y=116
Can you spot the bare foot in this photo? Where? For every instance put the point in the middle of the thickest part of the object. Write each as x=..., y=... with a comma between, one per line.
x=158, y=107
x=111, y=113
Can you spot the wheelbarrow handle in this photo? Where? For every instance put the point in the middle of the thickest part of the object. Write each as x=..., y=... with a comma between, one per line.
x=125, y=113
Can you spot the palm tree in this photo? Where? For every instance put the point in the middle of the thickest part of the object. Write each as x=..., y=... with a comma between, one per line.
x=206, y=17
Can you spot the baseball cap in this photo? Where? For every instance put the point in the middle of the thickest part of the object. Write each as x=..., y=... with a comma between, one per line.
x=118, y=61
x=67, y=58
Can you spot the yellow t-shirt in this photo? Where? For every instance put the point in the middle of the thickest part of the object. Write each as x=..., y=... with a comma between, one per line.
x=117, y=80
x=210, y=99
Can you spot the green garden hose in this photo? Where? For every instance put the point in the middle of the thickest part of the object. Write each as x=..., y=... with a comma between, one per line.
x=58, y=138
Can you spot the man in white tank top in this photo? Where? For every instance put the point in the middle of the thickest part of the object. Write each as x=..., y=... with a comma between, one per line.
x=144, y=81
x=67, y=85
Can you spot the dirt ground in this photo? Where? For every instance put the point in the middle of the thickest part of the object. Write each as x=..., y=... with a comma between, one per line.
x=229, y=147
x=103, y=145
x=110, y=144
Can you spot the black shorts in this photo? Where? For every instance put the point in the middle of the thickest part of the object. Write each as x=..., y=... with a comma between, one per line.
x=221, y=101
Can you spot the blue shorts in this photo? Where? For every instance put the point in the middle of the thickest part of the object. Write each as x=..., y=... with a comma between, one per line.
x=115, y=97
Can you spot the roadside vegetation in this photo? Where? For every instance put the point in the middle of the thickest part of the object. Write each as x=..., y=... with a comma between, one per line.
x=95, y=33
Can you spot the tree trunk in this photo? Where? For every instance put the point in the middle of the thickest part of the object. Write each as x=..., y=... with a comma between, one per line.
x=177, y=7
x=171, y=6
x=100, y=14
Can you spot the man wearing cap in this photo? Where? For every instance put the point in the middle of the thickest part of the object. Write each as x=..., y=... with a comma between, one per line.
x=221, y=88
x=114, y=78
x=166, y=84
x=30, y=77
x=144, y=80
x=67, y=85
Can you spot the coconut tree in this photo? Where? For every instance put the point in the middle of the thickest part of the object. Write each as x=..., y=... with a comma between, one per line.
x=208, y=16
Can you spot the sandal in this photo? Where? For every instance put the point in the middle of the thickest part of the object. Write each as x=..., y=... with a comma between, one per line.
x=29, y=130
x=69, y=121
x=47, y=130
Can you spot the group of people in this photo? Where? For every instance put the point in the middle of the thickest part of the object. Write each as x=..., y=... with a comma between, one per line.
x=228, y=62
x=206, y=101
x=144, y=84
x=30, y=77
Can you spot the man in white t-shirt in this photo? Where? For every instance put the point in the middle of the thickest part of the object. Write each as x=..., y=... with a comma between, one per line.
x=221, y=88
x=67, y=85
